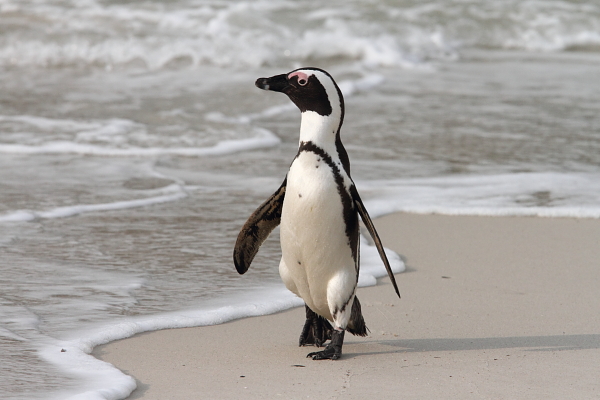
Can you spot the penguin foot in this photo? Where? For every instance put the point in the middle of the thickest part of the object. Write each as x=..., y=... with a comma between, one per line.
x=316, y=330
x=333, y=351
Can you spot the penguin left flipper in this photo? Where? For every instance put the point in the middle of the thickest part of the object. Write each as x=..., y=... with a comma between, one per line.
x=364, y=215
x=258, y=227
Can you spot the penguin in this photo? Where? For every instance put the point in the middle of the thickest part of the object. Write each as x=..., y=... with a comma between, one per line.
x=317, y=206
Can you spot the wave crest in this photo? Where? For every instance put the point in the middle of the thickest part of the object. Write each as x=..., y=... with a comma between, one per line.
x=185, y=33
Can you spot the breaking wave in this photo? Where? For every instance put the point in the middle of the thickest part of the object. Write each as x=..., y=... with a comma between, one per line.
x=184, y=33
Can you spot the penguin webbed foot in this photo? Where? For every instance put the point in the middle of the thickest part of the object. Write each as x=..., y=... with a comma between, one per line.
x=333, y=350
x=316, y=331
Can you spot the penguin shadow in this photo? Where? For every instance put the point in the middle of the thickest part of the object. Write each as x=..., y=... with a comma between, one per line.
x=526, y=343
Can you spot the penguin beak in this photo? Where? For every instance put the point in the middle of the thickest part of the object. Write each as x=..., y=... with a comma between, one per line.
x=277, y=83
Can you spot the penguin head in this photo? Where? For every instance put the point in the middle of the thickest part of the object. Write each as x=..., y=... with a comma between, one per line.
x=311, y=89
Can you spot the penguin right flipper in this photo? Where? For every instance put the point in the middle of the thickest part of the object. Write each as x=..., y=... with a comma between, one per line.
x=364, y=215
x=258, y=227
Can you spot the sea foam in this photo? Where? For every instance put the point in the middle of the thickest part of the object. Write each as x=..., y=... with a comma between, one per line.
x=550, y=194
x=161, y=35
x=70, y=211
x=263, y=139
x=99, y=380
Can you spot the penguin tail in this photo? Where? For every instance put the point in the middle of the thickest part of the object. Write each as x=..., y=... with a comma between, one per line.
x=356, y=325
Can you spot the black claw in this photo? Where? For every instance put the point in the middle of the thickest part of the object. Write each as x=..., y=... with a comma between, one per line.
x=327, y=354
x=316, y=330
x=333, y=351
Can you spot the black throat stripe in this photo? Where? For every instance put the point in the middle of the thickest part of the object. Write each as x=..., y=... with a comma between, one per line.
x=349, y=211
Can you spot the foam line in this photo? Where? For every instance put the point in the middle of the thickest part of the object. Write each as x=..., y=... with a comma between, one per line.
x=102, y=381
x=551, y=194
x=265, y=139
x=218, y=34
x=70, y=211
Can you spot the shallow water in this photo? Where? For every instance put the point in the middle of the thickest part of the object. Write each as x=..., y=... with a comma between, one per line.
x=133, y=146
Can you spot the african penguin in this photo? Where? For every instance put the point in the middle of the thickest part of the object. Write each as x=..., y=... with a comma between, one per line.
x=317, y=206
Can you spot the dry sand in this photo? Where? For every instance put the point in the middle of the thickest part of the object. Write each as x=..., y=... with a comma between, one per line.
x=491, y=308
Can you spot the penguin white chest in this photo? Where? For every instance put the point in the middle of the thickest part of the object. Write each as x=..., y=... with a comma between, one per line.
x=314, y=241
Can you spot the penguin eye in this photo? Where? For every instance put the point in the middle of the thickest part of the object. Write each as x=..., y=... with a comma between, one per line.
x=301, y=77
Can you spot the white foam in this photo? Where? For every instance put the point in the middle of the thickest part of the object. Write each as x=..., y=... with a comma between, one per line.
x=50, y=124
x=99, y=380
x=262, y=33
x=263, y=139
x=247, y=118
x=506, y=194
x=555, y=27
x=549, y=194
x=52, y=132
x=337, y=39
x=534, y=40
x=372, y=267
x=70, y=211
x=242, y=33
x=364, y=84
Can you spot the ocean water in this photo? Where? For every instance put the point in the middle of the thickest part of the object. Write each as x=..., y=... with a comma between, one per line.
x=133, y=146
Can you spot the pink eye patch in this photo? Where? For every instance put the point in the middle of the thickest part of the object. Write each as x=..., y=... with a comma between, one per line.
x=302, y=77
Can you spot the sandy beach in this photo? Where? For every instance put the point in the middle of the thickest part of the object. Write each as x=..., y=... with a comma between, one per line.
x=491, y=308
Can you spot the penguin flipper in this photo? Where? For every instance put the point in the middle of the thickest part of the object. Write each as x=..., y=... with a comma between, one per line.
x=258, y=227
x=364, y=215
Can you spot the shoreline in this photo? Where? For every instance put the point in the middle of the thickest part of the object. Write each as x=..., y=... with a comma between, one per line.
x=498, y=307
